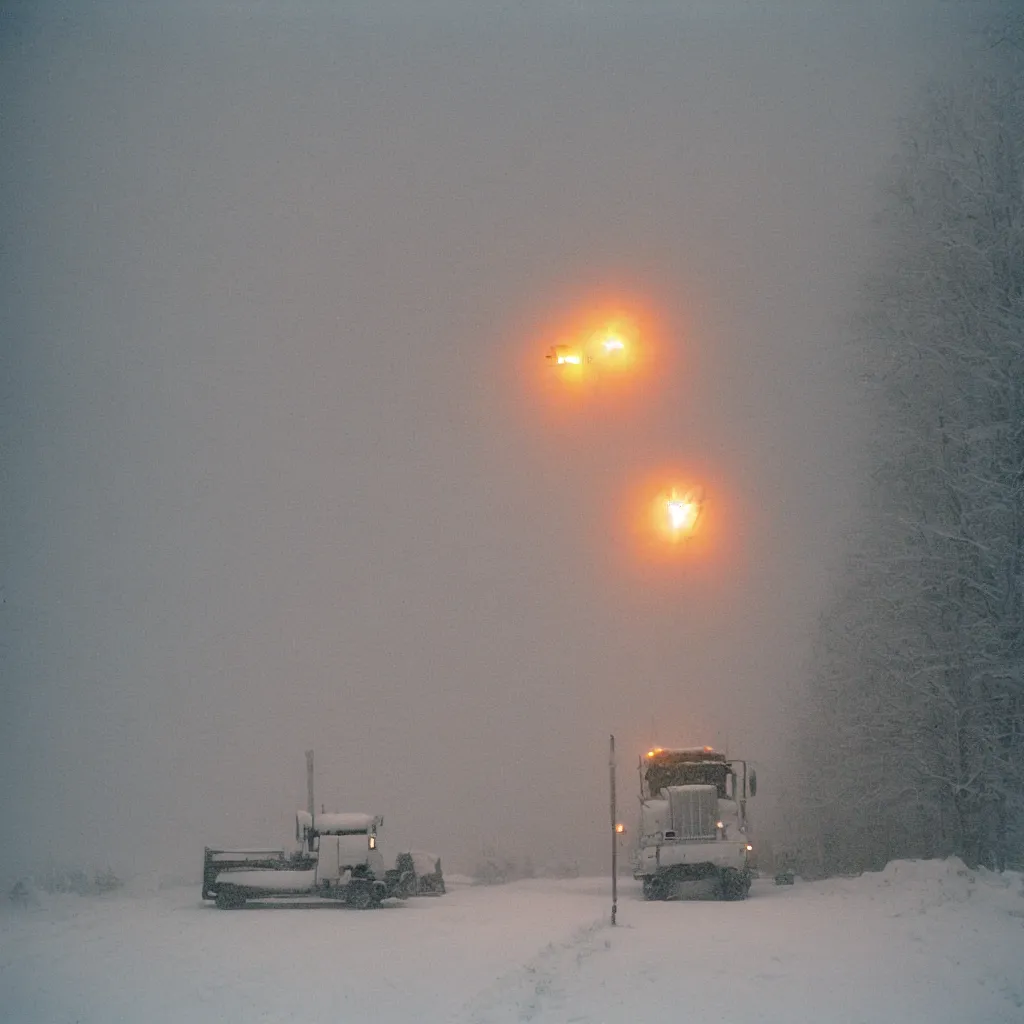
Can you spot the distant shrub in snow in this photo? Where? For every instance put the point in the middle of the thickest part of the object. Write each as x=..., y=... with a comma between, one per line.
x=54, y=880
x=494, y=868
x=20, y=894
x=106, y=881
x=563, y=869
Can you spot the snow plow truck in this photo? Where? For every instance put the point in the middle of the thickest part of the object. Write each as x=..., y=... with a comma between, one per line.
x=339, y=859
x=694, y=837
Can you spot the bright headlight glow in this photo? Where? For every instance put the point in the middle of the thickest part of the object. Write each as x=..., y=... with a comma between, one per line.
x=749, y=848
x=373, y=842
x=682, y=513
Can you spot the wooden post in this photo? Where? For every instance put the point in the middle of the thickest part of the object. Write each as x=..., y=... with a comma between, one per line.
x=615, y=835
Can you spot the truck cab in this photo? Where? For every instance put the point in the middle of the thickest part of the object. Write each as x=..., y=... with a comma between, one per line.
x=339, y=859
x=693, y=823
x=341, y=842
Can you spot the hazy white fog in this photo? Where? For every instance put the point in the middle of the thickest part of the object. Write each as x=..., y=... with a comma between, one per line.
x=276, y=473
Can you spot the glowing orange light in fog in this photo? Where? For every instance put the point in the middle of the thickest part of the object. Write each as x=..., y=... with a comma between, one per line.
x=611, y=347
x=614, y=345
x=597, y=359
x=601, y=353
x=562, y=355
x=681, y=511
x=677, y=522
x=682, y=514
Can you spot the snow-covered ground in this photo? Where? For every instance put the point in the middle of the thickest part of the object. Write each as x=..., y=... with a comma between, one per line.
x=920, y=941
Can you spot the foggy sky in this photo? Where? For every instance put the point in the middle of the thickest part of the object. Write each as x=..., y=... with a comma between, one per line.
x=278, y=471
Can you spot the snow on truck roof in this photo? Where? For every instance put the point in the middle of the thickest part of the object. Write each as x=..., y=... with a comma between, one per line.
x=351, y=821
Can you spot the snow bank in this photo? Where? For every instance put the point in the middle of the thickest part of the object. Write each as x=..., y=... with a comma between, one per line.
x=925, y=886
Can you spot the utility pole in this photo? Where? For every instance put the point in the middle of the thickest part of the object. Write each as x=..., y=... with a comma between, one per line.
x=615, y=834
x=310, y=806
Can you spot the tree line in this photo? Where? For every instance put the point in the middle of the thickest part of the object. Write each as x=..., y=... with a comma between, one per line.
x=909, y=735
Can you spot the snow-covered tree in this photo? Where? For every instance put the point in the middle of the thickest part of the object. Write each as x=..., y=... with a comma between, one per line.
x=914, y=724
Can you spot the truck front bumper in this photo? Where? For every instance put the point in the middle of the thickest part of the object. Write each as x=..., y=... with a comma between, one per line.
x=718, y=853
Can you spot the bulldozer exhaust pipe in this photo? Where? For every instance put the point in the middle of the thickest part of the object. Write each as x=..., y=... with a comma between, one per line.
x=309, y=783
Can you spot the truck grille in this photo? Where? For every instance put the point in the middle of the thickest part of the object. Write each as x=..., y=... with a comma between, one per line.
x=694, y=811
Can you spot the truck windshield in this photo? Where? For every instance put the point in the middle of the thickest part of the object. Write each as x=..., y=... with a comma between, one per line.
x=688, y=773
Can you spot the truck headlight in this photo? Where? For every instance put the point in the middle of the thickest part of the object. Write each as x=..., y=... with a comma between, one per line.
x=373, y=842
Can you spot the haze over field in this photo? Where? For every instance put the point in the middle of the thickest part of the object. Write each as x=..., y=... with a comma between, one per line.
x=281, y=467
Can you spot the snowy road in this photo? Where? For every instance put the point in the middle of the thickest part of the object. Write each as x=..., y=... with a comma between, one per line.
x=918, y=942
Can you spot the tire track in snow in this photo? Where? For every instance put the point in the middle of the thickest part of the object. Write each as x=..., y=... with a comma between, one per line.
x=539, y=985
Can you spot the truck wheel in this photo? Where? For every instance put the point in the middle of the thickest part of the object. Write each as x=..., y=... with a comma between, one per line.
x=655, y=888
x=734, y=884
x=228, y=900
x=361, y=897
